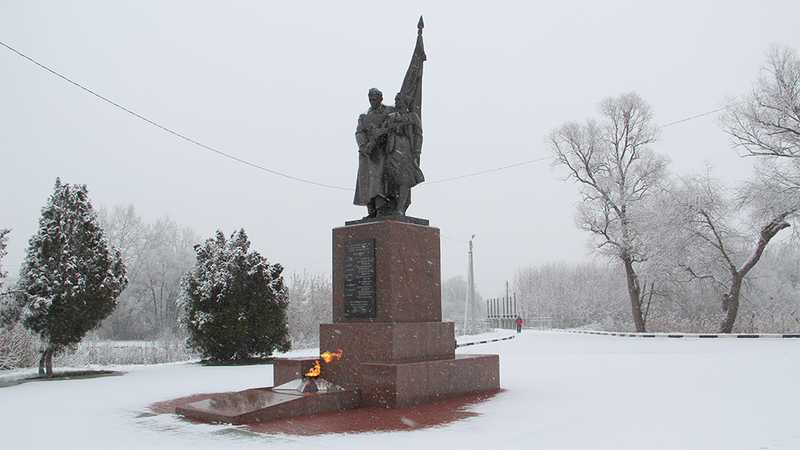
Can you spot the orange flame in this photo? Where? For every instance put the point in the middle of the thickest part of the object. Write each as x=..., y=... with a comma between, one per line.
x=327, y=357
x=315, y=371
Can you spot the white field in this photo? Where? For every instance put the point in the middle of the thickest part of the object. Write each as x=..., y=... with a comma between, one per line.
x=562, y=391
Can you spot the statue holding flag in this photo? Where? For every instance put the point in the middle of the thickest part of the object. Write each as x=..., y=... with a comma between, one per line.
x=390, y=144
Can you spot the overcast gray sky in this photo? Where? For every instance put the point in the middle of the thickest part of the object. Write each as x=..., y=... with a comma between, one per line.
x=281, y=84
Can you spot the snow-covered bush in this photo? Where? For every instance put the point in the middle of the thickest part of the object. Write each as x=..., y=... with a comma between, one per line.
x=234, y=301
x=18, y=347
x=106, y=353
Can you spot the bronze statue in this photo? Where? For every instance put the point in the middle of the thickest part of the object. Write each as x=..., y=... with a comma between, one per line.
x=371, y=140
x=404, y=146
x=390, y=143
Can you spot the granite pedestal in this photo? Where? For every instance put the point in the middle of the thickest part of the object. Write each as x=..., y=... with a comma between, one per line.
x=398, y=353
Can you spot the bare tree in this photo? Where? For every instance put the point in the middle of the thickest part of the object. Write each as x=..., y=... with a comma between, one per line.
x=454, y=294
x=310, y=304
x=157, y=255
x=167, y=260
x=720, y=242
x=616, y=171
x=573, y=295
x=766, y=122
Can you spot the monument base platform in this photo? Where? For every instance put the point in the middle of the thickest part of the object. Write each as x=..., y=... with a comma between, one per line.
x=386, y=384
x=264, y=404
x=395, y=386
x=383, y=385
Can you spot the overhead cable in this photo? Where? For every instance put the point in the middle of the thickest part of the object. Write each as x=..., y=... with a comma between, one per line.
x=693, y=117
x=274, y=172
x=175, y=133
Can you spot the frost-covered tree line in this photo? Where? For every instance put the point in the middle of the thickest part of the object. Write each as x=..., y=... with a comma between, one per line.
x=157, y=255
x=454, y=304
x=310, y=304
x=572, y=295
x=593, y=295
x=676, y=237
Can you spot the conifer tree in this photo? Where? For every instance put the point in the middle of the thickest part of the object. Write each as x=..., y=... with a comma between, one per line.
x=70, y=279
x=235, y=301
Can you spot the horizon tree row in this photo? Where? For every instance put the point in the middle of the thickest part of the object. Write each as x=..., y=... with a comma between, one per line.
x=664, y=230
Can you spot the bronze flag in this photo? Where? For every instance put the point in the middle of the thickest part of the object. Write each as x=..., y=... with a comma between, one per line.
x=412, y=83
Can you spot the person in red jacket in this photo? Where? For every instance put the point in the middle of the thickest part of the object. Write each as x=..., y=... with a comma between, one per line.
x=519, y=324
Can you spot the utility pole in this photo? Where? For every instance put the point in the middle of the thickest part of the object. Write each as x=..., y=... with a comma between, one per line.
x=469, y=315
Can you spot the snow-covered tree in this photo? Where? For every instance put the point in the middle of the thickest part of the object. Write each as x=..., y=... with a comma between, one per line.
x=3, y=251
x=616, y=172
x=310, y=300
x=766, y=122
x=454, y=295
x=9, y=309
x=723, y=245
x=573, y=295
x=235, y=301
x=156, y=256
x=70, y=279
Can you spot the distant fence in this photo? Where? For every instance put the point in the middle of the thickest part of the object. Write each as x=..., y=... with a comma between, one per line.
x=688, y=335
x=539, y=323
x=502, y=312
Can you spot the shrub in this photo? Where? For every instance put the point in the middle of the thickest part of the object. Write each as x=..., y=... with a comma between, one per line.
x=235, y=301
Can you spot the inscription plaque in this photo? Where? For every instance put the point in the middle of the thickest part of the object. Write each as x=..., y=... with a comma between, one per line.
x=359, y=278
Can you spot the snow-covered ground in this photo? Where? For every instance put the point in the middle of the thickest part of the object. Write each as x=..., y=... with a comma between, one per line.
x=562, y=391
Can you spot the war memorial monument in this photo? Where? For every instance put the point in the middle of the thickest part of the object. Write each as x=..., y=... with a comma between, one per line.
x=387, y=346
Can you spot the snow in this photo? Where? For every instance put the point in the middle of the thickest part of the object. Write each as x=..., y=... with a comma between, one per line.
x=561, y=391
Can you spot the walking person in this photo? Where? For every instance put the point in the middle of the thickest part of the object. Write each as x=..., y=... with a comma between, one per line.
x=519, y=324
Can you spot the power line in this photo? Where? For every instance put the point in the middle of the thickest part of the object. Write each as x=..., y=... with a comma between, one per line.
x=454, y=240
x=487, y=171
x=693, y=117
x=256, y=166
x=174, y=133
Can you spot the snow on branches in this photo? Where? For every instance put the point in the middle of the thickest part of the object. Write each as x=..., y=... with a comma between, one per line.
x=235, y=301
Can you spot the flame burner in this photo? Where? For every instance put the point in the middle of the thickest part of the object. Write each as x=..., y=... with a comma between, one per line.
x=307, y=385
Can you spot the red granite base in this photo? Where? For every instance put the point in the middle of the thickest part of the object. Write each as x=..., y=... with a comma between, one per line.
x=390, y=385
x=389, y=341
x=383, y=342
x=361, y=420
x=288, y=369
x=263, y=404
x=385, y=384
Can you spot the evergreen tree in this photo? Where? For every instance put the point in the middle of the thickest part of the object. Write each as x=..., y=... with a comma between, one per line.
x=235, y=301
x=70, y=280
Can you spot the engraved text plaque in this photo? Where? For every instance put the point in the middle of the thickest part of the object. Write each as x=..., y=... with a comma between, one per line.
x=359, y=278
